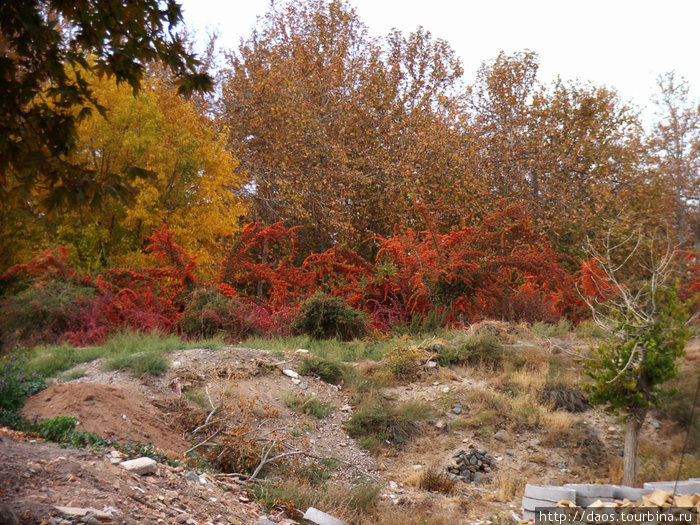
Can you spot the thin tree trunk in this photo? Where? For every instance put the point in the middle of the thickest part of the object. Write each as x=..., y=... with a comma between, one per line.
x=259, y=290
x=632, y=430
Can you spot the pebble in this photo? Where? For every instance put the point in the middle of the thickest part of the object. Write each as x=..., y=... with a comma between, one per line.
x=500, y=436
x=457, y=409
x=290, y=373
x=535, y=442
x=445, y=389
x=510, y=452
x=393, y=485
x=417, y=467
x=301, y=351
x=431, y=364
x=656, y=425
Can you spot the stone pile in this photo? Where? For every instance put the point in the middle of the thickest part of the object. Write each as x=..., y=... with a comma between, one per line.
x=471, y=466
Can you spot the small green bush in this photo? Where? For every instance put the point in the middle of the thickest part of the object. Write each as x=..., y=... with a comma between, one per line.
x=382, y=419
x=481, y=348
x=308, y=404
x=16, y=384
x=329, y=370
x=61, y=429
x=560, y=329
x=326, y=317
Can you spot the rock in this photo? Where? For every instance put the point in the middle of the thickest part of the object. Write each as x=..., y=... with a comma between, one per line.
x=457, y=409
x=561, y=466
x=656, y=425
x=500, y=436
x=478, y=477
x=440, y=424
x=445, y=389
x=141, y=466
x=431, y=364
x=182, y=518
x=191, y=476
x=301, y=351
x=290, y=373
x=393, y=485
x=417, y=467
x=535, y=442
x=318, y=517
x=265, y=521
x=80, y=512
x=612, y=429
x=621, y=452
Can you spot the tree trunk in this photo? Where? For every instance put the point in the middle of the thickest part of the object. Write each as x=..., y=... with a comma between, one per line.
x=259, y=288
x=634, y=426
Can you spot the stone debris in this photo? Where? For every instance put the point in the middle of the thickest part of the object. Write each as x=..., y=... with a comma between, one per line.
x=471, y=466
x=317, y=517
x=290, y=373
x=140, y=466
x=83, y=514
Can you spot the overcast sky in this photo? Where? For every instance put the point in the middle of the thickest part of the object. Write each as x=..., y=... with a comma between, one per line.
x=623, y=44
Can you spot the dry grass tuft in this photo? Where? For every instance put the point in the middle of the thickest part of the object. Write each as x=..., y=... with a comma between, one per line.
x=435, y=481
x=509, y=486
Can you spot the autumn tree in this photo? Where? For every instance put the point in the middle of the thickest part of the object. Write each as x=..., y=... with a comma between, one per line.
x=675, y=144
x=572, y=149
x=192, y=189
x=338, y=131
x=50, y=50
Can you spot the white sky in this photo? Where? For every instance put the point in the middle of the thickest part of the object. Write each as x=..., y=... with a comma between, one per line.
x=622, y=44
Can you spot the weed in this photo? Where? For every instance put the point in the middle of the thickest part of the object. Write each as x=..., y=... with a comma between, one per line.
x=308, y=404
x=480, y=348
x=592, y=330
x=15, y=386
x=73, y=374
x=140, y=363
x=561, y=328
x=435, y=481
x=384, y=420
x=329, y=370
x=198, y=397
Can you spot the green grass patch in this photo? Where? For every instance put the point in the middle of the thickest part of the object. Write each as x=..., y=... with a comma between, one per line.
x=380, y=418
x=136, y=351
x=153, y=363
x=329, y=370
x=308, y=404
x=72, y=375
x=561, y=328
x=332, y=349
x=592, y=330
x=477, y=349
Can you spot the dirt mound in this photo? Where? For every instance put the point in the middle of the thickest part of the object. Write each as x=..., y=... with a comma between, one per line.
x=35, y=477
x=107, y=411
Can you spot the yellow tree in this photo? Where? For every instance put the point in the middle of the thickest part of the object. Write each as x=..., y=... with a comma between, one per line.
x=189, y=180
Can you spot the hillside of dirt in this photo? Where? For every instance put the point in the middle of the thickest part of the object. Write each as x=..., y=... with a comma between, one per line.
x=472, y=410
x=38, y=477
